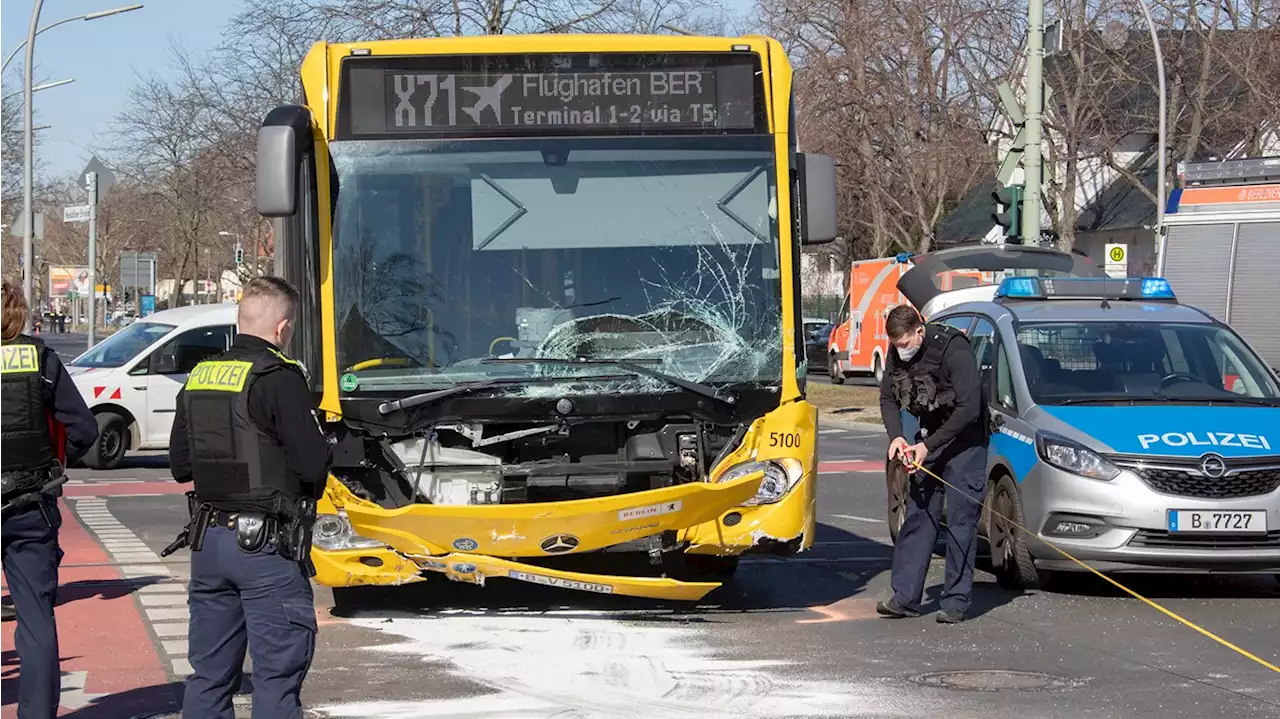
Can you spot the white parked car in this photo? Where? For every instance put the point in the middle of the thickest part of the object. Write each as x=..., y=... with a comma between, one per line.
x=131, y=379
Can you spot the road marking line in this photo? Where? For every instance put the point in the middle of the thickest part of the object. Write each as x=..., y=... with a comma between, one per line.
x=856, y=518
x=162, y=614
x=145, y=569
x=175, y=647
x=817, y=560
x=164, y=588
x=170, y=629
x=134, y=557
x=163, y=600
x=182, y=667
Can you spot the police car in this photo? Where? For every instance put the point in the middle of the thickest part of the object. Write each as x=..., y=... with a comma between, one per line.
x=1136, y=433
x=131, y=379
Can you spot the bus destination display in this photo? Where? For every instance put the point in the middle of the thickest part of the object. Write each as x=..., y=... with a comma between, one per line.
x=451, y=103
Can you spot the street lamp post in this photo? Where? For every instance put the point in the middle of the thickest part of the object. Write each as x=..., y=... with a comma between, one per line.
x=64, y=21
x=1161, y=161
x=38, y=88
x=28, y=274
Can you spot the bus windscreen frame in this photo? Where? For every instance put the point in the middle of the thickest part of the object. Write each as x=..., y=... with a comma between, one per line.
x=376, y=92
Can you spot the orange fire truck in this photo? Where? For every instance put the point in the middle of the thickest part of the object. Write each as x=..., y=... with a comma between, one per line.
x=858, y=343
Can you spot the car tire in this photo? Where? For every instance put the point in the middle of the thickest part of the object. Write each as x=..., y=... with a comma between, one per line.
x=833, y=369
x=1010, y=555
x=898, y=488
x=112, y=443
x=877, y=369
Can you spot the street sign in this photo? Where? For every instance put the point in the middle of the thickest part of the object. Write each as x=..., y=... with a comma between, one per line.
x=137, y=269
x=77, y=213
x=1117, y=263
x=106, y=178
x=18, y=228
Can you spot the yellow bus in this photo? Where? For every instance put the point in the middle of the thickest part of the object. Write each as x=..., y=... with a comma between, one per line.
x=551, y=306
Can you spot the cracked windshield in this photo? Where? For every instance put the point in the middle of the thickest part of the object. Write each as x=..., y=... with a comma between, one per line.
x=454, y=261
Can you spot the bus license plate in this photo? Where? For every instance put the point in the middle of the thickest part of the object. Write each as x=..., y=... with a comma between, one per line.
x=1182, y=521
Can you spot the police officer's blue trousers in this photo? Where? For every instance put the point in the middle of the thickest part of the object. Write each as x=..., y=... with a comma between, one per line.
x=31, y=558
x=261, y=600
x=913, y=550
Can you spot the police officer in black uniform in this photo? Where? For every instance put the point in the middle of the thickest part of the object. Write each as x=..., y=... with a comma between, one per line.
x=40, y=405
x=245, y=434
x=933, y=375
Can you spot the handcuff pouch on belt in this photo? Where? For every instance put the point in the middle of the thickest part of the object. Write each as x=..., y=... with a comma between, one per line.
x=253, y=530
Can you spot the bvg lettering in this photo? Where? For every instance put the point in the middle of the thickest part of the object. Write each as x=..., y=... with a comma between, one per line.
x=1205, y=439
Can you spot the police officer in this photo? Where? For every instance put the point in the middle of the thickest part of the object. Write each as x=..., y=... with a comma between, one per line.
x=933, y=375
x=245, y=434
x=40, y=404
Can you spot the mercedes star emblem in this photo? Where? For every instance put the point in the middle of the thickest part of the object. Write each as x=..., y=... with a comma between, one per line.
x=1213, y=466
x=559, y=544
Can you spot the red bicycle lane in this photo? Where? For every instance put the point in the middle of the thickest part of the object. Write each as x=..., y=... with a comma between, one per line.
x=110, y=666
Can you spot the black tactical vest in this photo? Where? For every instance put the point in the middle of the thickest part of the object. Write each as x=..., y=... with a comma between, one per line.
x=27, y=441
x=235, y=464
x=919, y=386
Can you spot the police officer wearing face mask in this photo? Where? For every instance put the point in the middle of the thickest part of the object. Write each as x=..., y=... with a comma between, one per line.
x=246, y=436
x=933, y=375
x=42, y=409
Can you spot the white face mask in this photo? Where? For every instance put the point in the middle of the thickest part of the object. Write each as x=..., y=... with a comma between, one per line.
x=906, y=354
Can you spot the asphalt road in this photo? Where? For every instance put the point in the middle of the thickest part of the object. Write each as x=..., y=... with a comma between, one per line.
x=788, y=637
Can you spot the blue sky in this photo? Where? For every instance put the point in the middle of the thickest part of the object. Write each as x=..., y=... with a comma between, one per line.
x=103, y=57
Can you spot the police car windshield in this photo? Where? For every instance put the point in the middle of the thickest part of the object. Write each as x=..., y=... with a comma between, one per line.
x=1066, y=363
x=123, y=346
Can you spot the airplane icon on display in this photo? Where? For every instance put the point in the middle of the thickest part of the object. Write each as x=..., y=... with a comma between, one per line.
x=490, y=97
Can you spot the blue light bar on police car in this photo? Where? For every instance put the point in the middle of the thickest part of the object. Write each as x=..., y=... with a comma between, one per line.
x=1111, y=288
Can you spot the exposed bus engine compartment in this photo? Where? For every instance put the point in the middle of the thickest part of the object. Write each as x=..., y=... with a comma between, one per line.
x=474, y=463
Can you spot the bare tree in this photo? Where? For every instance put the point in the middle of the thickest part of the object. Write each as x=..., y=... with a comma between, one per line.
x=168, y=134
x=899, y=93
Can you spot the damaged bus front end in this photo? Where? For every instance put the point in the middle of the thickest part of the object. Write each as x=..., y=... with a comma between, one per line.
x=555, y=315
x=519, y=500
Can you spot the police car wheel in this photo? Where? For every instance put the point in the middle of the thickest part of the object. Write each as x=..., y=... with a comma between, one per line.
x=898, y=488
x=113, y=440
x=1010, y=555
x=833, y=369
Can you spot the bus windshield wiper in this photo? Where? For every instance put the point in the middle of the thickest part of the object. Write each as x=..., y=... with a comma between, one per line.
x=634, y=366
x=437, y=395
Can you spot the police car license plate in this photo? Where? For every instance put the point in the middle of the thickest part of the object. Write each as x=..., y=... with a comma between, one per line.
x=1186, y=521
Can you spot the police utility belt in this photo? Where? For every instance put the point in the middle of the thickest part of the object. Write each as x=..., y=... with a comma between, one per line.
x=255, y=530
x=22, y=489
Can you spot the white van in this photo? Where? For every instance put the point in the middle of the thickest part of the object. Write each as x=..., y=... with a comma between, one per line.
x=131, y=379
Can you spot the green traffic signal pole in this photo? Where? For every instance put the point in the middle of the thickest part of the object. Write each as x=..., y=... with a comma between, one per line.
x=1031, y=156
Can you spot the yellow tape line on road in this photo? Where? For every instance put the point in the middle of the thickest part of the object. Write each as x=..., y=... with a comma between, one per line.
x=1148, y=602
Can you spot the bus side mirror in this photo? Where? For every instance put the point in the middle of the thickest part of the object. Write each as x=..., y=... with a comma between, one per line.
x=282, y=139
x=817, y=175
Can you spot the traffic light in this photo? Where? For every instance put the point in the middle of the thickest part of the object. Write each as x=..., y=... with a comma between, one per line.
x=1008, y=212
x=239, y=255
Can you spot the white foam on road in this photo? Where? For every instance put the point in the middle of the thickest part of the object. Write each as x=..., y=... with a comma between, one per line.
x=566, y=667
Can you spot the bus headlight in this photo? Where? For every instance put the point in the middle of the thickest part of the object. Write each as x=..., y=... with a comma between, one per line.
x=780, y=475
x=332, y=532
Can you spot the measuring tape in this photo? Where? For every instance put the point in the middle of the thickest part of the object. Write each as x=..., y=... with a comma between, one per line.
x=1144, y=600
